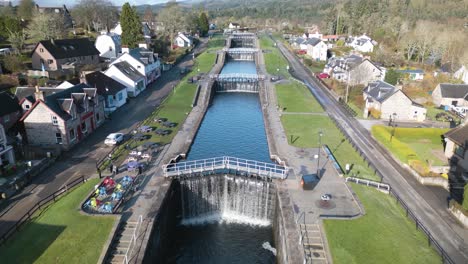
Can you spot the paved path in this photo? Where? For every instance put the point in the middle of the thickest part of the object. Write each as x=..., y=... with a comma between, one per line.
x=428, y=203
x=304, y=113
x=81, y=160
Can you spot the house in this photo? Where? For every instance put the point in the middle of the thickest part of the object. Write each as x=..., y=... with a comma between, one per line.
x=109, y=45
x=354, y=70
x=391, y=102
x=124, y=73
x=114, y=92
x=7, y=154
x=450, y=95
x=234, y=25
x=316, y=49
x=64, y=118
x=145, y=29
x=10, y=110
x=52, y=55
x=143, y=60
x=68, y=83
x=462, y=74
x=413, y=75
x=315, y=34
x=297, y=43
x=456, y=149
x=362, y=43
x=25, y=94
x=61, y=10
x=183, y=40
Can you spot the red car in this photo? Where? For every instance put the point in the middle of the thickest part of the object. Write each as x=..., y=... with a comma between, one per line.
x=301, y=52
x=323, y=75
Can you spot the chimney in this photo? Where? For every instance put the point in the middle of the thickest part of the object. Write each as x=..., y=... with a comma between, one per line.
x=39, y=95
x=125, y=49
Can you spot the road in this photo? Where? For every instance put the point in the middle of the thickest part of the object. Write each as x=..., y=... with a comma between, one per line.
x=81, y=160
x=428, y=203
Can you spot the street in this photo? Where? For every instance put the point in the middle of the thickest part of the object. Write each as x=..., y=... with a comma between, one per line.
x=81, y=160
x=428, y=203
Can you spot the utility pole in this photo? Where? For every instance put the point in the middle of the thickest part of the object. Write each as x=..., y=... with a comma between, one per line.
x=347, y=88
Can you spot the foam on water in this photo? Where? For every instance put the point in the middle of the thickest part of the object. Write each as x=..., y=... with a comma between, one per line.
x=225, y=217
x=266, y=245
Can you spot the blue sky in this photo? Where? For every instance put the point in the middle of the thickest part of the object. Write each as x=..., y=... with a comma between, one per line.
x=70, y=3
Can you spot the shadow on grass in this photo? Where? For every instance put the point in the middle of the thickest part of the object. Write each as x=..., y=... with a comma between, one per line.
x=29, y=243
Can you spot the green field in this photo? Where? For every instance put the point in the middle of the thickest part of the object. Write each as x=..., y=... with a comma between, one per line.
x=60, y=233
x=295, y=97
x=275, y=63
x=383, y=235
x=423, y=144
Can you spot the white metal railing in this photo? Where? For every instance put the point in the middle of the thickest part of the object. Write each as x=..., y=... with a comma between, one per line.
x=375, y=184
x=131, y=246
x=240, y=50
x=233, y=76
x=260, y=168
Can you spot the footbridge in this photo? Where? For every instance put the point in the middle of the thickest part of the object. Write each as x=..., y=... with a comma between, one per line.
x=225, y=164
x=237, y=82
x=246, y=40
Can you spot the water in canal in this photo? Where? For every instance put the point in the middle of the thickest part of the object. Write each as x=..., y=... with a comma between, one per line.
x=233, y=126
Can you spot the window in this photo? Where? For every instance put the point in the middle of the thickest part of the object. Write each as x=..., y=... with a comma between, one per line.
x=27, y=106
x=97, y=117
x=454, y=103
x=58, y=138
x=50, y=61
x=72, y=134
x=110, y=48
x=84, y=127
x=120, y=96
x=41, y=50
x=54, y=120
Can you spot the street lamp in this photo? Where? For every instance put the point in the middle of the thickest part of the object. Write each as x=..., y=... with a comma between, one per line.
x=318, y=153
x=393, y=124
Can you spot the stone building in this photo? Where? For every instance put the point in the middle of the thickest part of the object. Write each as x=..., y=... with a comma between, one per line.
x=391, y=102
x=64, y=118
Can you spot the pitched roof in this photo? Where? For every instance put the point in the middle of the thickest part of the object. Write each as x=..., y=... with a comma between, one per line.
x=23, y=92
x=299, y=40
x=411, y=71
x=9, y=104
x=127, y=69
x=105, y=85
x=313, y=41
x=380, y=90
x=454, y=90
x=69, y=48
x=458, y=135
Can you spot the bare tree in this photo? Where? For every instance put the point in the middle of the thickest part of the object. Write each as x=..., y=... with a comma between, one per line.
x=96, y=14
x=173, y=20
x=46, y=26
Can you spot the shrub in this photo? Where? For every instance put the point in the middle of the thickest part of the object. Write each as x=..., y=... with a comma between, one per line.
x=308, y=62
x=420, y=167
x=13, y=64
x=375, y=113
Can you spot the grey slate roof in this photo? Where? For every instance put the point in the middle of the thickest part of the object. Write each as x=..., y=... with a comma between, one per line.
x=56, y=101
x=458, y=135
x=70, y=48
x=8, y=104
x=26, y=92
x=105, y=85
x=380, y=91
x=313, y=41
x=128, y=70
x=454, y=90
x=299, y=40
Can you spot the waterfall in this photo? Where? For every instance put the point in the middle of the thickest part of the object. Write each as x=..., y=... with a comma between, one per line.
x=224, y=198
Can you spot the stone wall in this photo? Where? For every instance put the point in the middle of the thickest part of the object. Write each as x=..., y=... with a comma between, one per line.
x=460, y=216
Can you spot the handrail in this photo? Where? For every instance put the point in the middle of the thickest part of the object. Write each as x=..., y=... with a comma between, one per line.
x=251, y=166
x=131, y=246
x=38, y=206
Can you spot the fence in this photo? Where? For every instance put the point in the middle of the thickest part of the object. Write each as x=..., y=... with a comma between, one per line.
x=38, y=206
x=131, y=246
x=378, y=185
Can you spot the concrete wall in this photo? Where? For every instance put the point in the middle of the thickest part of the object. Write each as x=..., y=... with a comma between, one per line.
x=460, y=216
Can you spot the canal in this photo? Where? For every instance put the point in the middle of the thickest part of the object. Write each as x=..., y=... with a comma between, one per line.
x=233, y=126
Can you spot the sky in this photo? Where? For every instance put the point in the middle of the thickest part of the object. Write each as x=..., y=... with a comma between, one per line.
x=70, y=3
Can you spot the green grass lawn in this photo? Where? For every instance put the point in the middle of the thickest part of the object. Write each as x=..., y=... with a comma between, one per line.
x=383, y=235
x=295, y=97
x=275, y=63
x=61, y=234
x=424, y=144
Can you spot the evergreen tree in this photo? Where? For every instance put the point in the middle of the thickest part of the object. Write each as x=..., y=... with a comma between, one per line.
x=131, y=26
x=26, y=9
x=392, y=76
x=203, y=24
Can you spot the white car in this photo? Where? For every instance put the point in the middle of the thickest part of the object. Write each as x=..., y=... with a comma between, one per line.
x=326, y=197
x=114, y=139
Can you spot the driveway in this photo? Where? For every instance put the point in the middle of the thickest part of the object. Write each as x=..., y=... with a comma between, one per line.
x=81, y=160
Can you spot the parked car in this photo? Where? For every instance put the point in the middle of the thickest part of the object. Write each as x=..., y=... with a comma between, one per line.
x=323, y=75
x=301, y=52
x=114, y=139
x=325, y=197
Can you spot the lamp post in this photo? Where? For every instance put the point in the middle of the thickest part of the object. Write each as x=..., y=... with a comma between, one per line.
x=318, y=153
x=393, y=124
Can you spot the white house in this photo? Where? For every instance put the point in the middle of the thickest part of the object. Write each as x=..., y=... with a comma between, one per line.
x=234, y=25
x=462, y=74
x=317, y=49
x=108, y=45
x=297, y=43
x=123, y=72
x=362, y=43
x=391, y=102
x=183, y=40
x=354, y=69
x=114, y=92
x=143, y=60
x=7, y=155
x=414, y=75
